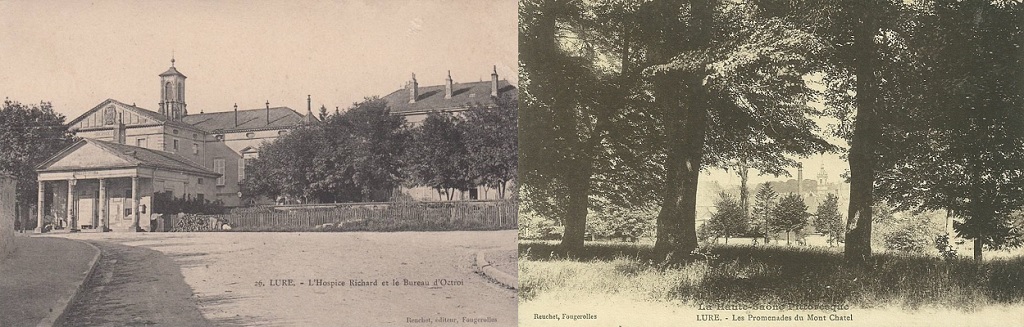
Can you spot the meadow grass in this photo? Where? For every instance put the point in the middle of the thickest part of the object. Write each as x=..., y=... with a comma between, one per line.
x=768, y=275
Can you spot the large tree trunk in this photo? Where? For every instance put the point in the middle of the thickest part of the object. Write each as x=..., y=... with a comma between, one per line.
x=684, y=123
x=576, y=208
x=862, y=146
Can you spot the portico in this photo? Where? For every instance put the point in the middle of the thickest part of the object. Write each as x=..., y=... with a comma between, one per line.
x=109, y=186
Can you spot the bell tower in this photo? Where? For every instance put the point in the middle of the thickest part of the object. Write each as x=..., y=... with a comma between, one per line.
x=172, y=93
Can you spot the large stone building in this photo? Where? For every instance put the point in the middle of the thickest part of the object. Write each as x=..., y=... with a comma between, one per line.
x=128, y=153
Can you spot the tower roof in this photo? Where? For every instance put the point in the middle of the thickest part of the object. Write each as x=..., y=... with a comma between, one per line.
x=172, y=71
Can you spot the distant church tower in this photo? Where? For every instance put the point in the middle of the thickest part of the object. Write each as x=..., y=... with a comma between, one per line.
x=172, y=93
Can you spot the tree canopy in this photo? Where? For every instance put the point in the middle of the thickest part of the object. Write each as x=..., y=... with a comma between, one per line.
x=29, y=134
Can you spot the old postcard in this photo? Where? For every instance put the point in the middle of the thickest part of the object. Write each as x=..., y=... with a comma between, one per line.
x=771, y=163
x=267, y=163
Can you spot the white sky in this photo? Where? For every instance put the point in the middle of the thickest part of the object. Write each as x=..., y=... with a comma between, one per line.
x=76, y=54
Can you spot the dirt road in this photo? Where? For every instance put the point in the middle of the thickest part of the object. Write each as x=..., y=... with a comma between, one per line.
x=248, y=279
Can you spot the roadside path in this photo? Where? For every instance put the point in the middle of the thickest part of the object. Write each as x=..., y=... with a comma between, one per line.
x=134, y=286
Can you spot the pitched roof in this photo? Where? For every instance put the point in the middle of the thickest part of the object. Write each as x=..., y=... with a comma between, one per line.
x=280, y=117
x=172, y=71
x=133, y=156
x=138, y=110
x=464, y=95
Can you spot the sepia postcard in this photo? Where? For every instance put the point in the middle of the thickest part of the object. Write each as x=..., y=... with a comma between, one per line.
x=258, y=163
x=771, y=163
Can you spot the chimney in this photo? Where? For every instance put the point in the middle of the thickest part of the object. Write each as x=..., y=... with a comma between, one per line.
x=414, y=90
x=448, y=86
x=236, y=114
x=268, y=112
x=309, y=105
x=494, y=82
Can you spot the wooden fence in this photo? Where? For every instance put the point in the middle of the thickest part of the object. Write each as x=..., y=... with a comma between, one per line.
x=455, y=215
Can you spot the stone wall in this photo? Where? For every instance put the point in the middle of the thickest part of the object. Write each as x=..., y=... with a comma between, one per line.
x=7, y=197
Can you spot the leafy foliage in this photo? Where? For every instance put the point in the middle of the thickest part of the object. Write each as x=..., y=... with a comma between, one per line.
x=764, y=206
x=352, y=156
x=439, y=157
x=630, y=224
x=829, y=220
x=167, y=203
x=728, y=219
x=29, y=134
x=790, y=215
x=492, y=143
x=961, y=131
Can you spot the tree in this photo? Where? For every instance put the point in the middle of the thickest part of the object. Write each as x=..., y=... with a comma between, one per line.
x=829, y=221
x=728, y=219
x=284, y=167
x=364, y=151
x=723, y=77
x=438, y=157
x=764, y=206
x=965, y=141
x=789, y=215
x=355, y=156
x=29, y=134
x=491, y=136
x=583, y=135
x=859, y=35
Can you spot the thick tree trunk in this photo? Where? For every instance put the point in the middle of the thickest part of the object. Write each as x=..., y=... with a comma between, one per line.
x=677, y=232
x=576, y=208
x=685, y=123
x=862, y=146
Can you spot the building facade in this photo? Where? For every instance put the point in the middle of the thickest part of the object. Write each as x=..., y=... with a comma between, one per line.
x=128, y=153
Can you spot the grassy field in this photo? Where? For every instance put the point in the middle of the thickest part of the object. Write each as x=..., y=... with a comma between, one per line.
x=768, y=275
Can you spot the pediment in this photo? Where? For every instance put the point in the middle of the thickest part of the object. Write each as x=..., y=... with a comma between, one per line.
x=107, y=113
x=85, y=155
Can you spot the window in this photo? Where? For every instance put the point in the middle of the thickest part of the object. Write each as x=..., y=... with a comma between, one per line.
x=174, y=131
x=473, y=195
x=218, y=167
x=282, y=132
x=195, y=149
x=175, y=147
x=241, y=169
x=219, y=137
x=195, y=136
x=250, y=135
x=140, y=142
x=199, y=181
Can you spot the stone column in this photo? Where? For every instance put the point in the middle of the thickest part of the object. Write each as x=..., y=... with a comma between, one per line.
x=39, y=202
x=72, y=219
x=103, y=206
x=135, y=204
